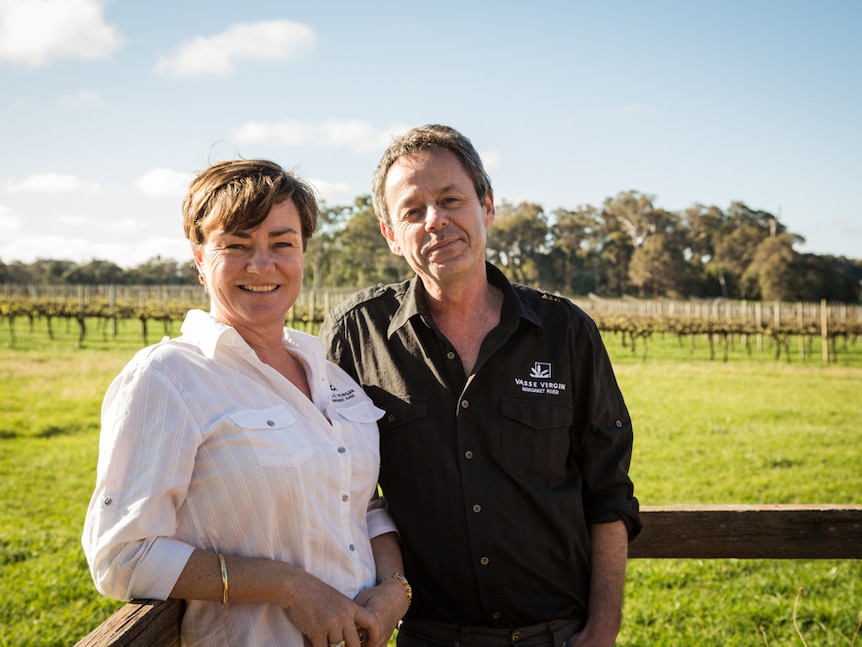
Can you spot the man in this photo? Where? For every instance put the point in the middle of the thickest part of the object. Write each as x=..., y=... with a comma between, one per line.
x=506, y=443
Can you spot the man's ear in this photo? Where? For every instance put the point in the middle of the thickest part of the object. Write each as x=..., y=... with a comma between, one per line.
x=389, y=235
x=488, y=208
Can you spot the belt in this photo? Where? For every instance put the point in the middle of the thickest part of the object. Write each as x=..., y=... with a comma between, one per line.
x=542, y=633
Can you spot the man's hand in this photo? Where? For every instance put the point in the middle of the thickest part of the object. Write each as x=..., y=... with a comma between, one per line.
x=388, y=602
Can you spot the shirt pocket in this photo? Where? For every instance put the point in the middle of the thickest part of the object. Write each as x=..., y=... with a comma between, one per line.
x=275, y=435
x=534, y=440
x=362, y=418
x=402, y=413
x=362, y=413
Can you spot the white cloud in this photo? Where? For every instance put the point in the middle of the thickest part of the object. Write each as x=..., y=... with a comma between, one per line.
x=284, y=133
x=125, y=226
x=277, y=40
x=39, y=32
x=355, y=135
x=52, y=183
x=163, y=183
x=333, y=192
x=490, y=160
x=83, y=250
x=9, y=220
x=81, y=99
x=70, y=220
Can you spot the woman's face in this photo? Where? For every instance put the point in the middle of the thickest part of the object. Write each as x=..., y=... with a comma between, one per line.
x=254, y=276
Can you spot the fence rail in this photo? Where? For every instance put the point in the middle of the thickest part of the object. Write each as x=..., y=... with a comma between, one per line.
x=719, y=320
x=681, y=531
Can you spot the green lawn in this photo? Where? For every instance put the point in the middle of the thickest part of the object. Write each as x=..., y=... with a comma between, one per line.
x=749, y=430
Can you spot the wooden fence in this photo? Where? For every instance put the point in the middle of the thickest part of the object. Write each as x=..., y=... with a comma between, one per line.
x=758, y=313
x=681, y=531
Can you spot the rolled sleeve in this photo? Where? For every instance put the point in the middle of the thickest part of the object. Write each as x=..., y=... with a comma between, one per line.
x=145, y=464
x=380, y=522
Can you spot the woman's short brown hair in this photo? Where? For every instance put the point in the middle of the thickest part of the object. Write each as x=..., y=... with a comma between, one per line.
x=237, y=195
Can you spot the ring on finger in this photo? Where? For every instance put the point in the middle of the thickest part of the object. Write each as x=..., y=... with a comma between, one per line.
x=340, y=643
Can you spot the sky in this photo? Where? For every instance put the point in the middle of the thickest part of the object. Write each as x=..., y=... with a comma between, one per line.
x=109, y=107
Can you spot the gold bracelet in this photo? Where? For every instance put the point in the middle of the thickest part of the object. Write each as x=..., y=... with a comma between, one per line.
x=407, y=588
x=223, y=578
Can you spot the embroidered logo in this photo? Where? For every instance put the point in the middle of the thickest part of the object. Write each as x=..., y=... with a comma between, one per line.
x=541, y=370
x=343, y=396
x=540, y=380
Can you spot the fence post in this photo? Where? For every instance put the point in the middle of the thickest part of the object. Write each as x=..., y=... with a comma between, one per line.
x=824, y=331
x=758, y=321
x=800, y=322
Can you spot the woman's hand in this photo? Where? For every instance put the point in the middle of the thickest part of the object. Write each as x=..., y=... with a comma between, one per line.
x=327, y=617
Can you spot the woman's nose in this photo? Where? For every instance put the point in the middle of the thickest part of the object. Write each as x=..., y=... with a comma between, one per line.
x=259, y=259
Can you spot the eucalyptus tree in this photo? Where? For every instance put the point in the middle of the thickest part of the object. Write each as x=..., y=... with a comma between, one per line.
x=658, y=266
x=576, y=240
x=361, y=255
x=518, y=240
x=735, y=245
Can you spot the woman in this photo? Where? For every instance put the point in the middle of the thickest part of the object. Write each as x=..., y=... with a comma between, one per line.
x=236, y=465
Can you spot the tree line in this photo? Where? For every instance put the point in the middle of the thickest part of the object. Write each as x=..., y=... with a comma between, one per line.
x=626, y=247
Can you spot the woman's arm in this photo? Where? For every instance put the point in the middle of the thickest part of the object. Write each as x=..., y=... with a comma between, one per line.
x=320, y=612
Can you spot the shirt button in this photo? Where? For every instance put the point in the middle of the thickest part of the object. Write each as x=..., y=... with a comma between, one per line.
x=450, y=355
x=352, y=547
x=108, y=500
x=464, y=404
x=391, y=417
x=619, y=423
x=516, y=636
x=270, y=423
x=345, y=498
x=477, y=508
x=496, y=615
x=484, y=561
x=468, y=454
x=341, y=450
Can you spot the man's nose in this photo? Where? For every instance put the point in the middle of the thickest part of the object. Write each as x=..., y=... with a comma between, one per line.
x=435, y=217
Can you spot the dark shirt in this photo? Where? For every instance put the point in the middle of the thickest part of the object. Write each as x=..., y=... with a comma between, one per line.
x=494, y=477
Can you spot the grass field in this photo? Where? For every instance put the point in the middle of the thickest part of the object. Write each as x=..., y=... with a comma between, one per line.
x=749, y=430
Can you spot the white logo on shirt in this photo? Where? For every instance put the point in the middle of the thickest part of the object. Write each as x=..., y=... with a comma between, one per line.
x=541, y=370
x=540, y=380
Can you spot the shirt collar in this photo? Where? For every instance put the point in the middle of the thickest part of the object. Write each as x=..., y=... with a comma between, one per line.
x=414, y=302
x=210, y=335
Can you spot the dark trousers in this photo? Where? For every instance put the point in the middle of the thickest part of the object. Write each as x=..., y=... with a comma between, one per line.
x=422, y=633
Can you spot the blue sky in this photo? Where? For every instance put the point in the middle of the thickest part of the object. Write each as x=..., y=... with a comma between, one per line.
x=107, y=108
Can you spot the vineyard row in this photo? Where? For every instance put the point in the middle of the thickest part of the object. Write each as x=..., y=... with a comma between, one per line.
x=634, y=320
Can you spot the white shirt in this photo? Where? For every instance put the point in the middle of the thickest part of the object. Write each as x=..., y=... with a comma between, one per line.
x=204, y=446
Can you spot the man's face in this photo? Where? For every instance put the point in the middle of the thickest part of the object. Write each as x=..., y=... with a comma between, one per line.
x=439, y=224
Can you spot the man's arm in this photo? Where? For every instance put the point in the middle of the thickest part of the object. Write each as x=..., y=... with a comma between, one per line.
x=608, y=555
x=388, y=600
